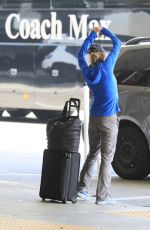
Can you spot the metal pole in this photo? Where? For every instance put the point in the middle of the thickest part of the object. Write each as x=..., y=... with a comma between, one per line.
x=86, y=118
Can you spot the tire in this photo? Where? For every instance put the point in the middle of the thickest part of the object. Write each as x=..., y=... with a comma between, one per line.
x=132, y=157
x=18, y=113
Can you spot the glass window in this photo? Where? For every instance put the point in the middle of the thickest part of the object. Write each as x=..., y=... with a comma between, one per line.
x=126, y=3
x=1, y=3
x=26, y=4
x=72, y=50
x=74, y=4
x=16, y=63
x=133, y=67
x=68, y=3
x=6, y=58
x=56, y=65
x=100, y=3
x=23, y=60
x=146, y=76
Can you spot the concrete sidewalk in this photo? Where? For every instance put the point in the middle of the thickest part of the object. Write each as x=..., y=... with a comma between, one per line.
x=22, y=208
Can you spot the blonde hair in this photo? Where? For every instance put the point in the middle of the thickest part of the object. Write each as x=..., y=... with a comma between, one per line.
x=96, y=56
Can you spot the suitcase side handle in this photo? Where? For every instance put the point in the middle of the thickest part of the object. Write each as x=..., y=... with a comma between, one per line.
x=71, y=103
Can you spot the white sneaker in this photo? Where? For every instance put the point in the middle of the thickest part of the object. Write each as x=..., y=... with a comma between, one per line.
x=83, y=195
x=107, y=201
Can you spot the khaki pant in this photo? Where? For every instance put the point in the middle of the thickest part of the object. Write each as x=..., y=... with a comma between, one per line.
x=103, y=133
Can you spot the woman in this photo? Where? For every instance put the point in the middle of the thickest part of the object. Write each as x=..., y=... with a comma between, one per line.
x=103, y=122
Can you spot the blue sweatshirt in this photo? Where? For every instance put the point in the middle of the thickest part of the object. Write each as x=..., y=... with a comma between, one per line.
x=100, y=78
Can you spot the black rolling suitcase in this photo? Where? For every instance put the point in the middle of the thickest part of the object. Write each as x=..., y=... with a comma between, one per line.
x=61, y=161
x=60, y=176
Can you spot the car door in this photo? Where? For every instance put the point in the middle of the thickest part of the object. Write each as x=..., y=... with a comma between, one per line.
x=145, y=101
x=129, y=74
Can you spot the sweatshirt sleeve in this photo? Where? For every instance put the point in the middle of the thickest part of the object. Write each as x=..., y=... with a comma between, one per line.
x=114, y=53
x=84, y=50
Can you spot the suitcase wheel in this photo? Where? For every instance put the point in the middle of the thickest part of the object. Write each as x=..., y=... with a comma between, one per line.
x=43, y=199
x=64, y=201
x=74, y=200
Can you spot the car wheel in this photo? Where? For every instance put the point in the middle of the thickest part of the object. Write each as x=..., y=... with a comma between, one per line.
x=132, y=157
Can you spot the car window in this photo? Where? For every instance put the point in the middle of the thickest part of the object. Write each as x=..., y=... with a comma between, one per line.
x=133, y=68
x=147, y=77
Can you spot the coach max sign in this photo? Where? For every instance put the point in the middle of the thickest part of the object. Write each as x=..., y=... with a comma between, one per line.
x=35, y=29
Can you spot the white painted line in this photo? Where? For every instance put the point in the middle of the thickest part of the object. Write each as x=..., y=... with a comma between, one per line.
x=20, y=173
x=19, y=184
x=133, y=198
x=3, y=171
x=9, y=182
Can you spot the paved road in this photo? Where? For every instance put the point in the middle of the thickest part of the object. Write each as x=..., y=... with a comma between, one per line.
x=21, y=149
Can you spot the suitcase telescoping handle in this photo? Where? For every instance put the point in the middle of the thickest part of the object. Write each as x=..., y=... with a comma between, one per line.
x=69, y=105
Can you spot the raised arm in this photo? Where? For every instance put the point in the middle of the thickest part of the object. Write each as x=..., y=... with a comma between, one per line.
x=85, y=47
x=113, y=55
x=84, y=50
